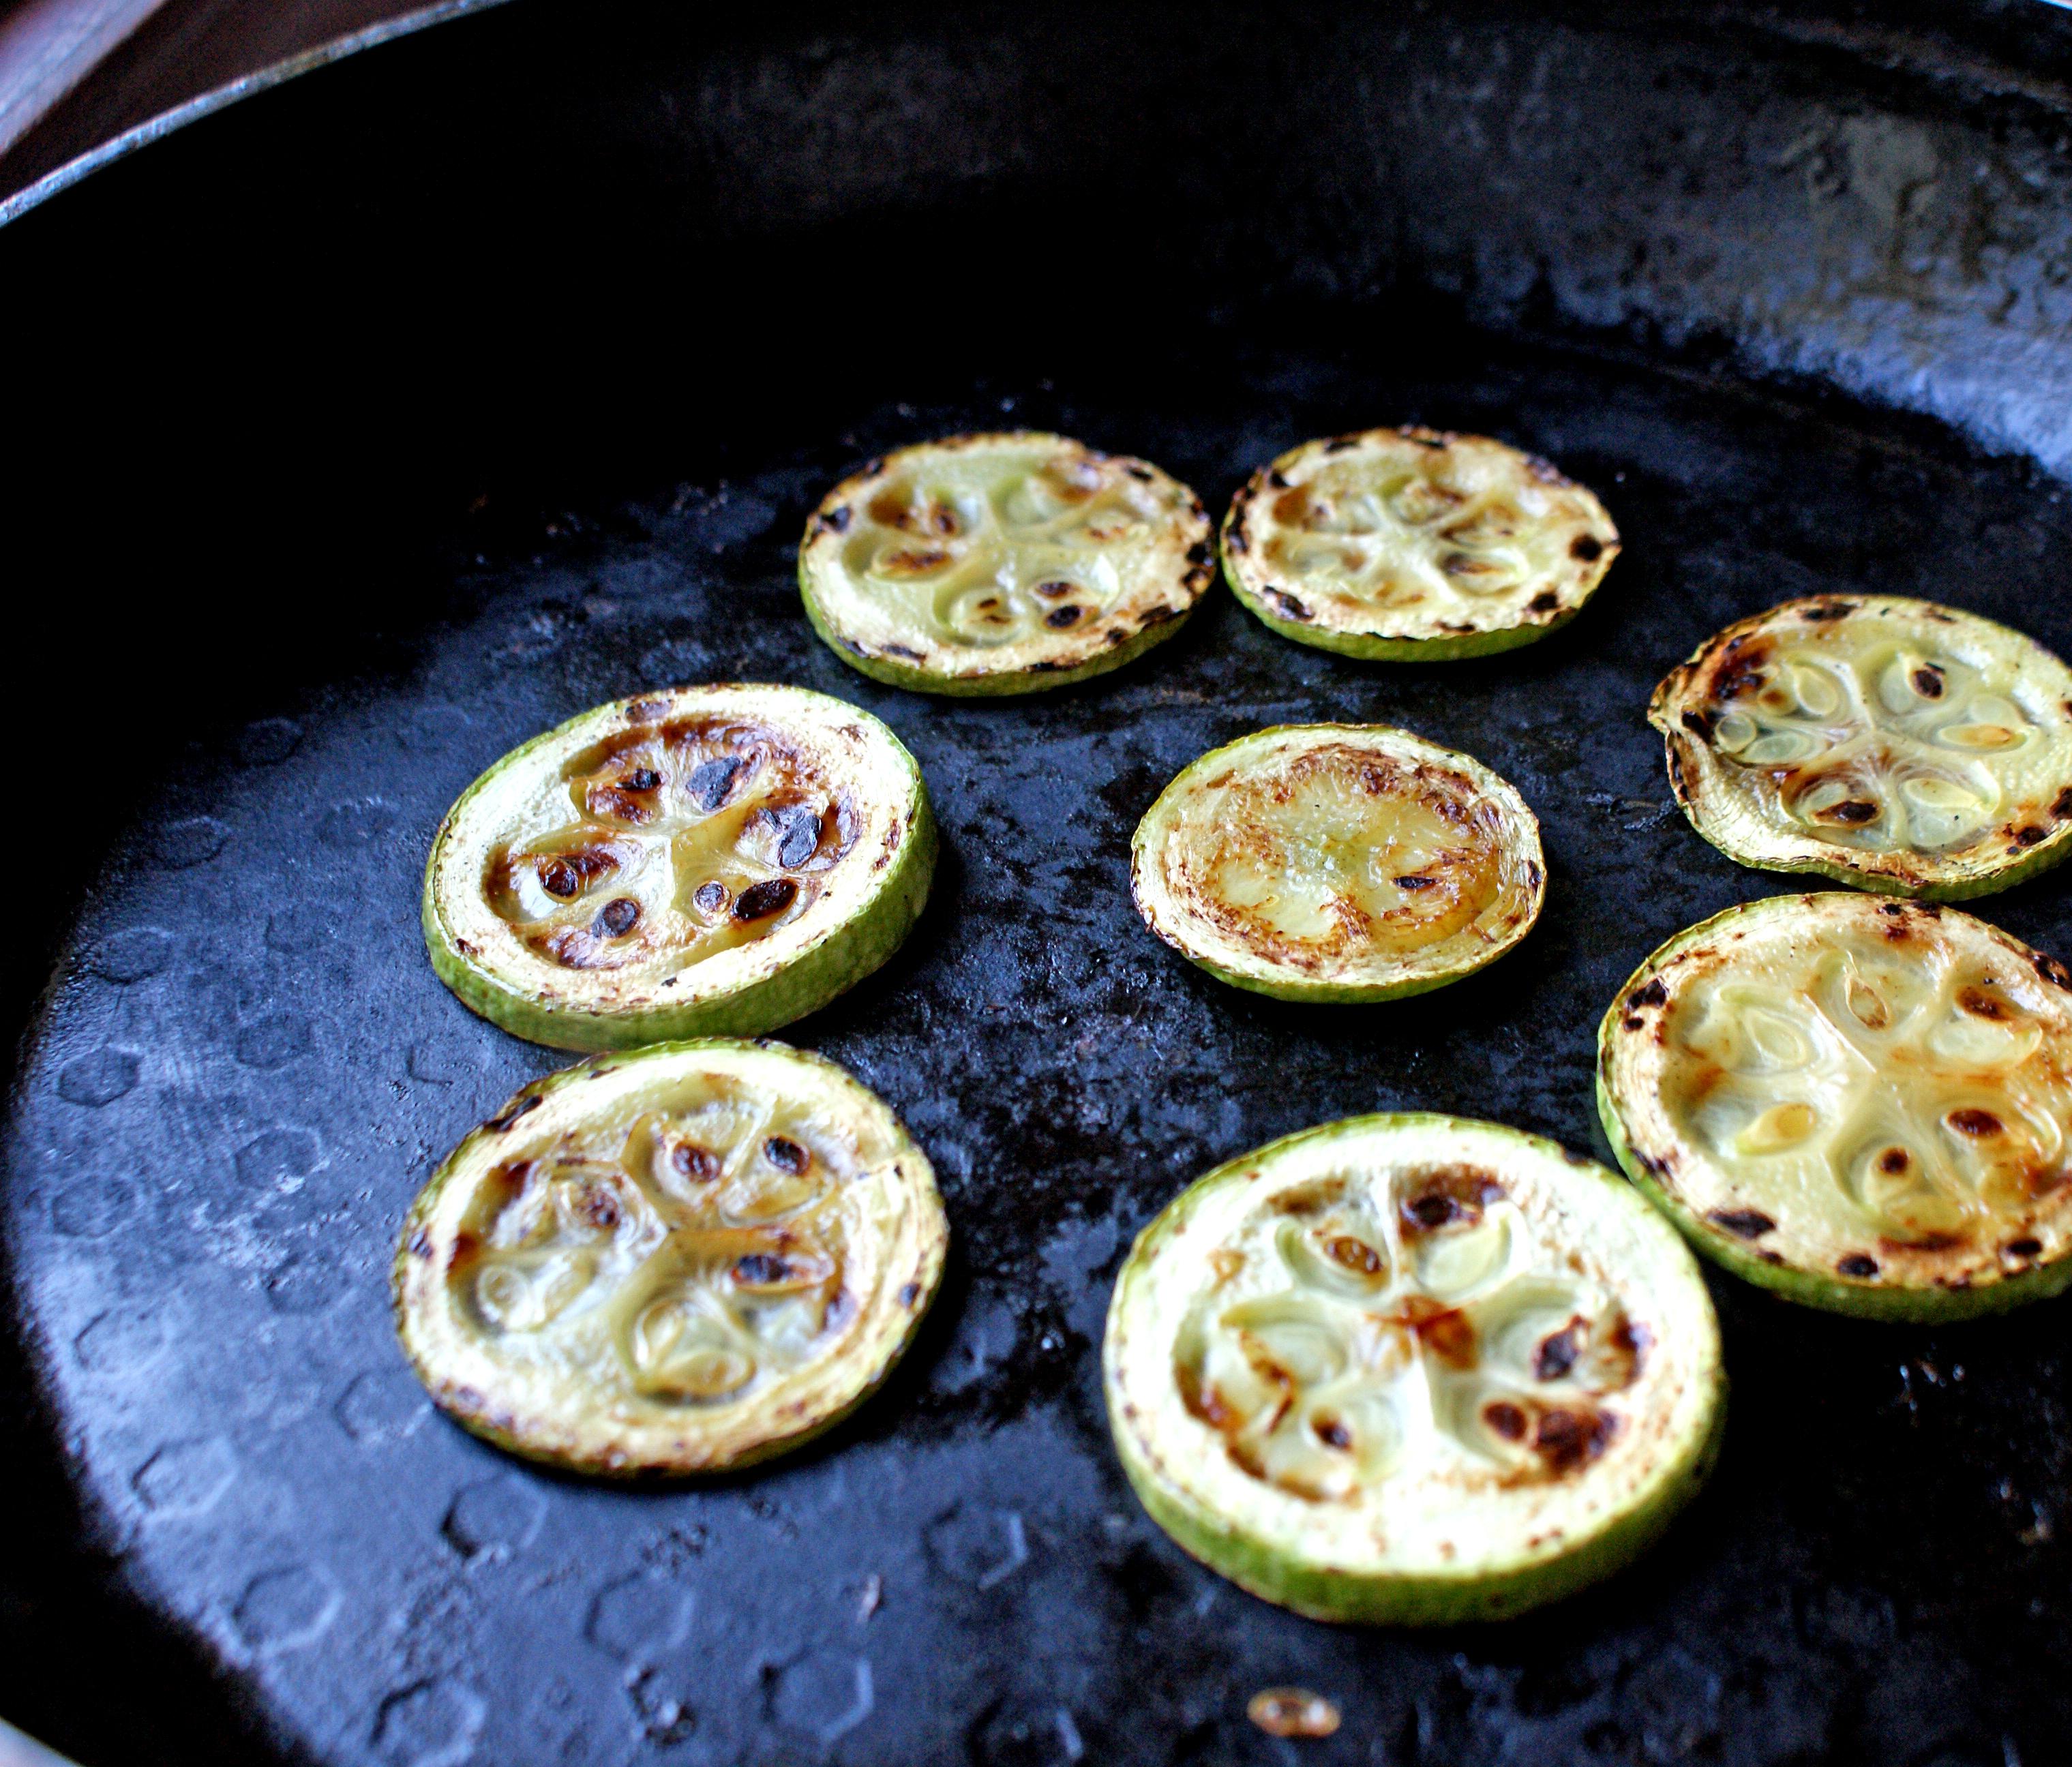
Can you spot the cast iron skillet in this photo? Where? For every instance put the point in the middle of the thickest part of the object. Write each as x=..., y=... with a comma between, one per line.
x=380, y=421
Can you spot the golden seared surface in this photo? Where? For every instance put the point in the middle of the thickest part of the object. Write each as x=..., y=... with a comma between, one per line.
x=1416, y=534
x=1878, y=1091
x=1909, y=743
x=1339, y=856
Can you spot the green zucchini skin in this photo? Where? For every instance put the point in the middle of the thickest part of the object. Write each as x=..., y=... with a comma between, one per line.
x=1893, y=1302
x=1003, y=685
x=1336, y=1596
x=1371, y=648
x=1342, y=1596
x=843, y=954
x=599, y=1457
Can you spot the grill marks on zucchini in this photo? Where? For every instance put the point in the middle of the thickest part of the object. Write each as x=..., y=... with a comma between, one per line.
x=1411, y=542
x=993, y=564
x=1338, y=861
x=1877, y=741
x=700, y=1253
x=1864, y=1105
x=679, y=819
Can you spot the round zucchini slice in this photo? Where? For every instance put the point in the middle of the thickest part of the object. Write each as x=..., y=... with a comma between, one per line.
x=1338, y=862
x=1412, y=1368
x=1891, y=744
x=675, y=1261
x=706, y=859
x=1415, y=545
x=1002, y=564
x=1861, y=1105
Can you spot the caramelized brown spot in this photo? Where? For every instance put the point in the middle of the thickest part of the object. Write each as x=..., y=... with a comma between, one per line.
x=1062, y=617
x=1927, y=1241
x=711, y=896
x=760, y=900
x=759, y=1269
x=1981, y=1004
x=1586, y=547
x=1928, y=681
x=1857, y=1263
x=600, y=1208
x=1974, y=1122
x=1290, y=607
x=1505, y=1418
x=1828, y=610
x=901, y=650
x=2053, y=971
x=908, y=1294
x=1544, y=602
x=693, y=1161
x=1445, y=1332
x=1850, y=810
x=617, y=918
x=1740, y=671
x=2023, y=1248
x=797, y=833
x=786, y=1155
x=1331, y=1432
x=1354, y=1254
x=1414, y=882
x=1653, y=994
x=1894, y=1160
x=1743, y=1223
x=1055, y=590
x=1447, y=1194
x=710, y=781
x=641, y=779
x=1566, y=1439
x=1558, y=1351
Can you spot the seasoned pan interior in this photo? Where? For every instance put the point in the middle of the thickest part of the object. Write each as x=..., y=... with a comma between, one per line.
x=402, y=413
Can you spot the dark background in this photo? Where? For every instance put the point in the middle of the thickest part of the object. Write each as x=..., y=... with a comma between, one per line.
x=369, y=427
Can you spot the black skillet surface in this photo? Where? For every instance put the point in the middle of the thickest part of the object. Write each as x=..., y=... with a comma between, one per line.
x=582, y=321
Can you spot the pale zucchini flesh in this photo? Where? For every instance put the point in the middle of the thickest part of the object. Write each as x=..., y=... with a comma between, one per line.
x=675, y=1261
x=1338, y=862
x=1005, y=563
x=700, y=860
x=1415, y=545
x=1862, y=1105
x=1413, y=1369
x=1891, y=744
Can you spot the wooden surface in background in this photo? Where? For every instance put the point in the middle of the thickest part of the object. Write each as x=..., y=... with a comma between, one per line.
x=77, y=73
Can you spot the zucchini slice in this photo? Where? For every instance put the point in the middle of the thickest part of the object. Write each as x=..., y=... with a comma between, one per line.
x=675, y=1261
x=1338, y=862
x=704, y=859
x=1002, y=564
x=1415, y=545
x=1891, y=744
x=1412, y=1368
x=1861, y=1105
